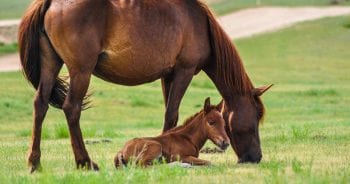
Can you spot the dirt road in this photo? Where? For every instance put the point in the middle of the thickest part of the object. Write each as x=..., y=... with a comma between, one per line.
x=243, y=23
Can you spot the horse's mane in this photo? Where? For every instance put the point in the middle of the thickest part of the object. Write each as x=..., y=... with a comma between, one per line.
x=229, y=64
x=189, y=120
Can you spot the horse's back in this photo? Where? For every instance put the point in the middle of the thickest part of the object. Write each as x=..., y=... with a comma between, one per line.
x=137, y=41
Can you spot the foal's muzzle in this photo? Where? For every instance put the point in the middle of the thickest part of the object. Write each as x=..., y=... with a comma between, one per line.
x=224, y=145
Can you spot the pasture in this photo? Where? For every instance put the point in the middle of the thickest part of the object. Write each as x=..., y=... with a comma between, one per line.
x=305, y=136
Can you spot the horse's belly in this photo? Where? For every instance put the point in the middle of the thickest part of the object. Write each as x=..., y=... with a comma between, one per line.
x=129, y=68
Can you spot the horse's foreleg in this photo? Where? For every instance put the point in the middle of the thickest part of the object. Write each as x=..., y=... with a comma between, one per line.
x=50, y=66
x=179, y=84
x=72, y=108
x=166, y=83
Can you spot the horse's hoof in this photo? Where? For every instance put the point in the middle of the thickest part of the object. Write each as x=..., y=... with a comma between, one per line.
x=94, y=166
x=34, y=167
x=88, y=165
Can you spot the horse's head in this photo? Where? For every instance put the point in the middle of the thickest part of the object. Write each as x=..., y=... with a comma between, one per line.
x=243, y=124
x=215, y=125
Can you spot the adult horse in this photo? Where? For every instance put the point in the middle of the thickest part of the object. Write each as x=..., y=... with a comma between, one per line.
x=131, y=42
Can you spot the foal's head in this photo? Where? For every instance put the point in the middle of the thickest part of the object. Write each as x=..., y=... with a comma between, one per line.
x=215, y=125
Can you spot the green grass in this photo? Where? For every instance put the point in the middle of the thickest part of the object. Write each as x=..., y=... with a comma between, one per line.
x=8, y=48
x=226, y=6
x=10, y=9
x=305, y=136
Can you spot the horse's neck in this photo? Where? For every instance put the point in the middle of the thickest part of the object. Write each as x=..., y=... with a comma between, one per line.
x=195, y=131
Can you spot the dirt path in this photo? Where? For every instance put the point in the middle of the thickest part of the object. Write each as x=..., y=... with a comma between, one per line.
x=242, y=24
x=250, y=22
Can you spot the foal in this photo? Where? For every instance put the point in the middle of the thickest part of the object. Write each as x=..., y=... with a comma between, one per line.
x=182, y=143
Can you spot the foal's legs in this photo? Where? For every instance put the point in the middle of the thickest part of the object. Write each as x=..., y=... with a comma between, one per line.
x=178, y=86
x=50, y=66
x=151, y=151
x=194, y=161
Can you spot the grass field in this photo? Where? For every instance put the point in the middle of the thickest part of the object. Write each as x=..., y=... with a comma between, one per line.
x=8, y=48
x=305, y=136
x=226, y=6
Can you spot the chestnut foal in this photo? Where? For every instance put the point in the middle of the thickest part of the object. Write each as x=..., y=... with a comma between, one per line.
x=182, y=143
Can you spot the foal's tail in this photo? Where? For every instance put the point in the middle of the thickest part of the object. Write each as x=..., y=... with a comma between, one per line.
x=119, y=160
x=29, y=33
x=228, y=62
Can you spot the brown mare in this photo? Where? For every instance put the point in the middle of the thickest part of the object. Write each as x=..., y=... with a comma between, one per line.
x=182, y=143
x=133, y=42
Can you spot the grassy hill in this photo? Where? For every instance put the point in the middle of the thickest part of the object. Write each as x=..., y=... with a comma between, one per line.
x=305, y=137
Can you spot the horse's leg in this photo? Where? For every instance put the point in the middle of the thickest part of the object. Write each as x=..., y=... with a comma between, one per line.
x=166, y=83
x=72, y=108
x=179, y=84
x=49, y=69
x=194, y=161
x=150, y=152
x=79, y=83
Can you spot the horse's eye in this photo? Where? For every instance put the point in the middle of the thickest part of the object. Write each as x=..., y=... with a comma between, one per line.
x=211, y=122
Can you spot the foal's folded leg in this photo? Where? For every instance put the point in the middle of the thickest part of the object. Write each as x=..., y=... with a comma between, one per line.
x=194, y=161
x=151, y=151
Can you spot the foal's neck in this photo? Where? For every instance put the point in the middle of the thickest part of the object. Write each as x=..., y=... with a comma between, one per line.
x=195, y=131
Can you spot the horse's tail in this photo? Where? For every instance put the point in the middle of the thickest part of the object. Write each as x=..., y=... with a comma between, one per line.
x=30, y=30
x=229, y=65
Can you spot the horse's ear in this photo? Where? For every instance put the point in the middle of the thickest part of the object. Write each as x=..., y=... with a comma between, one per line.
x=230, y=116
x=207, y=105
x=261, y=90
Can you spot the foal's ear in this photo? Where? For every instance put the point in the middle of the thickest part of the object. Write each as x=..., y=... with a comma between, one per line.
x=261, y=90
x=207, y=105
x=220, y=106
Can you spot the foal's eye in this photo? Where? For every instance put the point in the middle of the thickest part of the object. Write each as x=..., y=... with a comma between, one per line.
x=211, y=122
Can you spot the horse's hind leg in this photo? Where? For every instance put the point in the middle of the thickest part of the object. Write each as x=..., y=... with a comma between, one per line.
x=50, y=67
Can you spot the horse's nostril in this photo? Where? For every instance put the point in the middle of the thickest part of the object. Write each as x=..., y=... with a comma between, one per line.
x=250, y=158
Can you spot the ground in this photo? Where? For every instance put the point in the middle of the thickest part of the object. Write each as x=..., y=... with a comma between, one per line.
x=305, y=136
